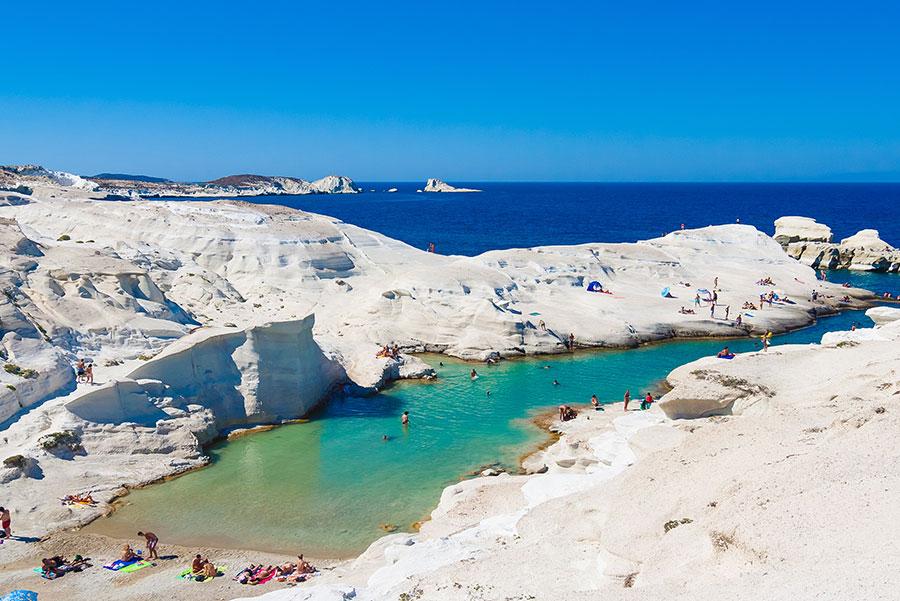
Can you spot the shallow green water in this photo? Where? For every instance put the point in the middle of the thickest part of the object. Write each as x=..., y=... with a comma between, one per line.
x=324, y=487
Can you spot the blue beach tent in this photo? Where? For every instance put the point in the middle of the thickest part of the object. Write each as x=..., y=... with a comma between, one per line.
x=595, y=286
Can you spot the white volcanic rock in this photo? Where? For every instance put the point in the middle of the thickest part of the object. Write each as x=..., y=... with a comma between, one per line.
x=436, y=185
x=152, y=418
x=810, y=243
x=800, y=229
x=26, y=174
x=334, y=184
x=883, y=315
x=229, y=186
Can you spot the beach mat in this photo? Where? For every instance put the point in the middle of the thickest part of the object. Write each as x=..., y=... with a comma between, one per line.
x=118, y=565
x=188, y=574
x=136, y=566
x=20, y=595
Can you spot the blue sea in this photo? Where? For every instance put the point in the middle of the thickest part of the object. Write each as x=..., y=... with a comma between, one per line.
x=511, y=215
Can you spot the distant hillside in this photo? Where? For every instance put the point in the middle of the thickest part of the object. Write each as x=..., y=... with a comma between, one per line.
x=246, y=180
x=132, y=178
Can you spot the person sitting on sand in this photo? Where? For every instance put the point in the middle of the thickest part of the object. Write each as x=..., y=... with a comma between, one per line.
x=197, y=564
x=53, y=567
x=738, y=320
x=128, y=554
x=595, y=403
x=303, y=566
x=209, y=570
x=684, y=311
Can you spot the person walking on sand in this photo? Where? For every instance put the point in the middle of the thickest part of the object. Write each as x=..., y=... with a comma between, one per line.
x=152, y=541
x=696, y=300
x=727, y=309
x=712, y=309
x=89, y=373
x=404, y=419
x=5, y=521
x=715, y=283
x=79, y=370
x=627, y=399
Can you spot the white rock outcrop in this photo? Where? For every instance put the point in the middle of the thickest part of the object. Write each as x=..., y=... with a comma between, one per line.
x=811, y=243
x=436, y=185
x=800, y=229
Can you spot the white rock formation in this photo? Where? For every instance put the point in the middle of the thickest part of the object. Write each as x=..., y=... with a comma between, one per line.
x=797, y=229
x=436, y=185
x=811, y=243
x=122, y=281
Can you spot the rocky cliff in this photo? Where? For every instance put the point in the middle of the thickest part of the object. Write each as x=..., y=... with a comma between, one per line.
x=811, y=243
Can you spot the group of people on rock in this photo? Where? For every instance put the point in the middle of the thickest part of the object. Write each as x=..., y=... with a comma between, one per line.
x=389, y=352
x=84, y=372
x=567, y=412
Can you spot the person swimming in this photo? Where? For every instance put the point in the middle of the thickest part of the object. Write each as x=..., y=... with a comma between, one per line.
x=556, y=382
x=404, y=419
x=474, y=375
x=725, y=354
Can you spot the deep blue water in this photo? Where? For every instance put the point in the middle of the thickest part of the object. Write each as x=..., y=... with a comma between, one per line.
x=509, y=215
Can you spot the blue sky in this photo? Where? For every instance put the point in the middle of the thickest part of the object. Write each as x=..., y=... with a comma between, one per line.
x=488, y=90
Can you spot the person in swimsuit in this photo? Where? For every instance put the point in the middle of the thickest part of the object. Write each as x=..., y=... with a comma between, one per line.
x=627, y=399
x=595, y=403
x=152, y=541
x=5, y=521
x=404, y=419
x=197, y=564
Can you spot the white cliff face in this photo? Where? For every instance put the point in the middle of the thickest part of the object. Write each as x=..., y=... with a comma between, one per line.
x=796, y=229
x=436, y=185
x=154, y=416
x=811, y=243
x=334, y=184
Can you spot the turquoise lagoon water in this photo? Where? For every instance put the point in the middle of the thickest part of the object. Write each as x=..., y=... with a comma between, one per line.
x=326, y=487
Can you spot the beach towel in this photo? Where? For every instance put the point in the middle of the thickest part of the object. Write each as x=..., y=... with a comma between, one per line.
x=188, y=574
x=40, y=572
x=20, y=595
x=140, y=565
x=119, y=564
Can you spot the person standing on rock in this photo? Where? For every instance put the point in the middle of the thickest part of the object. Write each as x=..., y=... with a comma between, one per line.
x=627, y=399
x=5, y=521
x=572, y=342
x=712, y=309
x=152, y=541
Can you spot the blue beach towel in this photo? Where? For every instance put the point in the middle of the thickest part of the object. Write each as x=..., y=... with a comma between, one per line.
x=20, y=595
